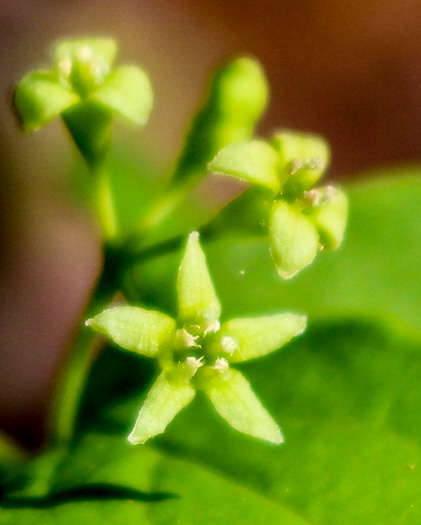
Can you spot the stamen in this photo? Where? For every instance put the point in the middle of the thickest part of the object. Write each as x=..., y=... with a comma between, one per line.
x=221, y=364
x=228, y=344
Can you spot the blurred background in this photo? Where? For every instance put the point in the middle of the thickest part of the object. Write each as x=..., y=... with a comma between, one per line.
x=347, y=70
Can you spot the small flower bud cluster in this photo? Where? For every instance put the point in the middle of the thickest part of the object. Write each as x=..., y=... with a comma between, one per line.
x=301, y=218
x=83, y=89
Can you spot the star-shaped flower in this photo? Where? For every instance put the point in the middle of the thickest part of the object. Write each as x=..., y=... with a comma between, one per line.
x=86, y=92
x=301, y=219
x=195, y=352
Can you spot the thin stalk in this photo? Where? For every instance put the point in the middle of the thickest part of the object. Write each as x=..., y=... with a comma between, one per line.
x=75, y=370
x=163, y=208
x=103, y=203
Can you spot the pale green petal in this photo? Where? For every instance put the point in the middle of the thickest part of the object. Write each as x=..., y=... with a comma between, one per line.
x=164, y=401
x=243, y=339
x=135, y=329
x=304, y=159
x=128, y=92
x=197, y=300
x=330, y=216
x=294, y=239
x=39, y=97
x=254, y=161
x=235, y=401
x=105, y=48
x=84, y=63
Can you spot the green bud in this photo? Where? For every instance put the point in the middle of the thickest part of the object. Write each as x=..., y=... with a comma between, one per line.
x=303, y=160
x=164, y=401
x=197, y=300
x=235, y=401
x=254, y=161
x=128, y=92
x=240, y=90
x=294, y=239
x=142, y=331
x=244, y=339
x=40, y=98
x=85, y=63
x=237, y=98
x=329, y=215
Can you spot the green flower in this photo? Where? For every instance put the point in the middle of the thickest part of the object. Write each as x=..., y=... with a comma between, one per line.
x=302, y=219
x=195, y=352
x=82, y=88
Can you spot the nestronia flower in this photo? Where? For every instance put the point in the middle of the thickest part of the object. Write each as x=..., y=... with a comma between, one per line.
x=195, y=352
x=82, y=88
x=301, y=218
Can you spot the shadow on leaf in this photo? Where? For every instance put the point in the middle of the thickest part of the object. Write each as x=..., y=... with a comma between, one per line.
x=88, y=493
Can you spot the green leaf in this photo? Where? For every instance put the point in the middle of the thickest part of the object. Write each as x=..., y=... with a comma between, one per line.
x=303, y=159
x=294, y=239
x=127, y=91
x=347, y=395
x=197, y=300
x=254, y=161
x=347, y=398
x=234, y=400
x=247, y=338
x=39, y=97
x=330, y=216
x=165, y=400
x=142, y=331
x=104, y=480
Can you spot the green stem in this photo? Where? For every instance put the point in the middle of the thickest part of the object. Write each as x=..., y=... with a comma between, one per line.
x=103, y=203
x=163, y=208
x=72, y=380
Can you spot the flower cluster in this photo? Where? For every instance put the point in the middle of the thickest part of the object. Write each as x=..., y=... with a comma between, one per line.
x=86, y=92
x=195, y=352
x=301, y=218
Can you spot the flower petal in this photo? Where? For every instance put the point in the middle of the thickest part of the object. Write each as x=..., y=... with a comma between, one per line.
x=69, y=50
x=127, y=91
x=233, y=398
x=294, y=239
x=136, y=329
x=39, y=97
x=304, y=159
x=254, y=161
x=197, y=300
x=330, y=216
x=165, y=399
x=244, y=339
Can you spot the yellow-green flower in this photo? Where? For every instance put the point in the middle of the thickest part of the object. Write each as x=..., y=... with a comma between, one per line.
x=195, y=352
x=301, y=218
x=86, y=92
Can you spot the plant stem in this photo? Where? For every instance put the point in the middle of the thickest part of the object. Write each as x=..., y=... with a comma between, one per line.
x=103, y=202
x=75, y=370
x=163, y=208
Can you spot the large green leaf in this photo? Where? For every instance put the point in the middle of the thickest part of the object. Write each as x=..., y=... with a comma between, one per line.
x=106, y=480
x=375, y=272
x=347, y=396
